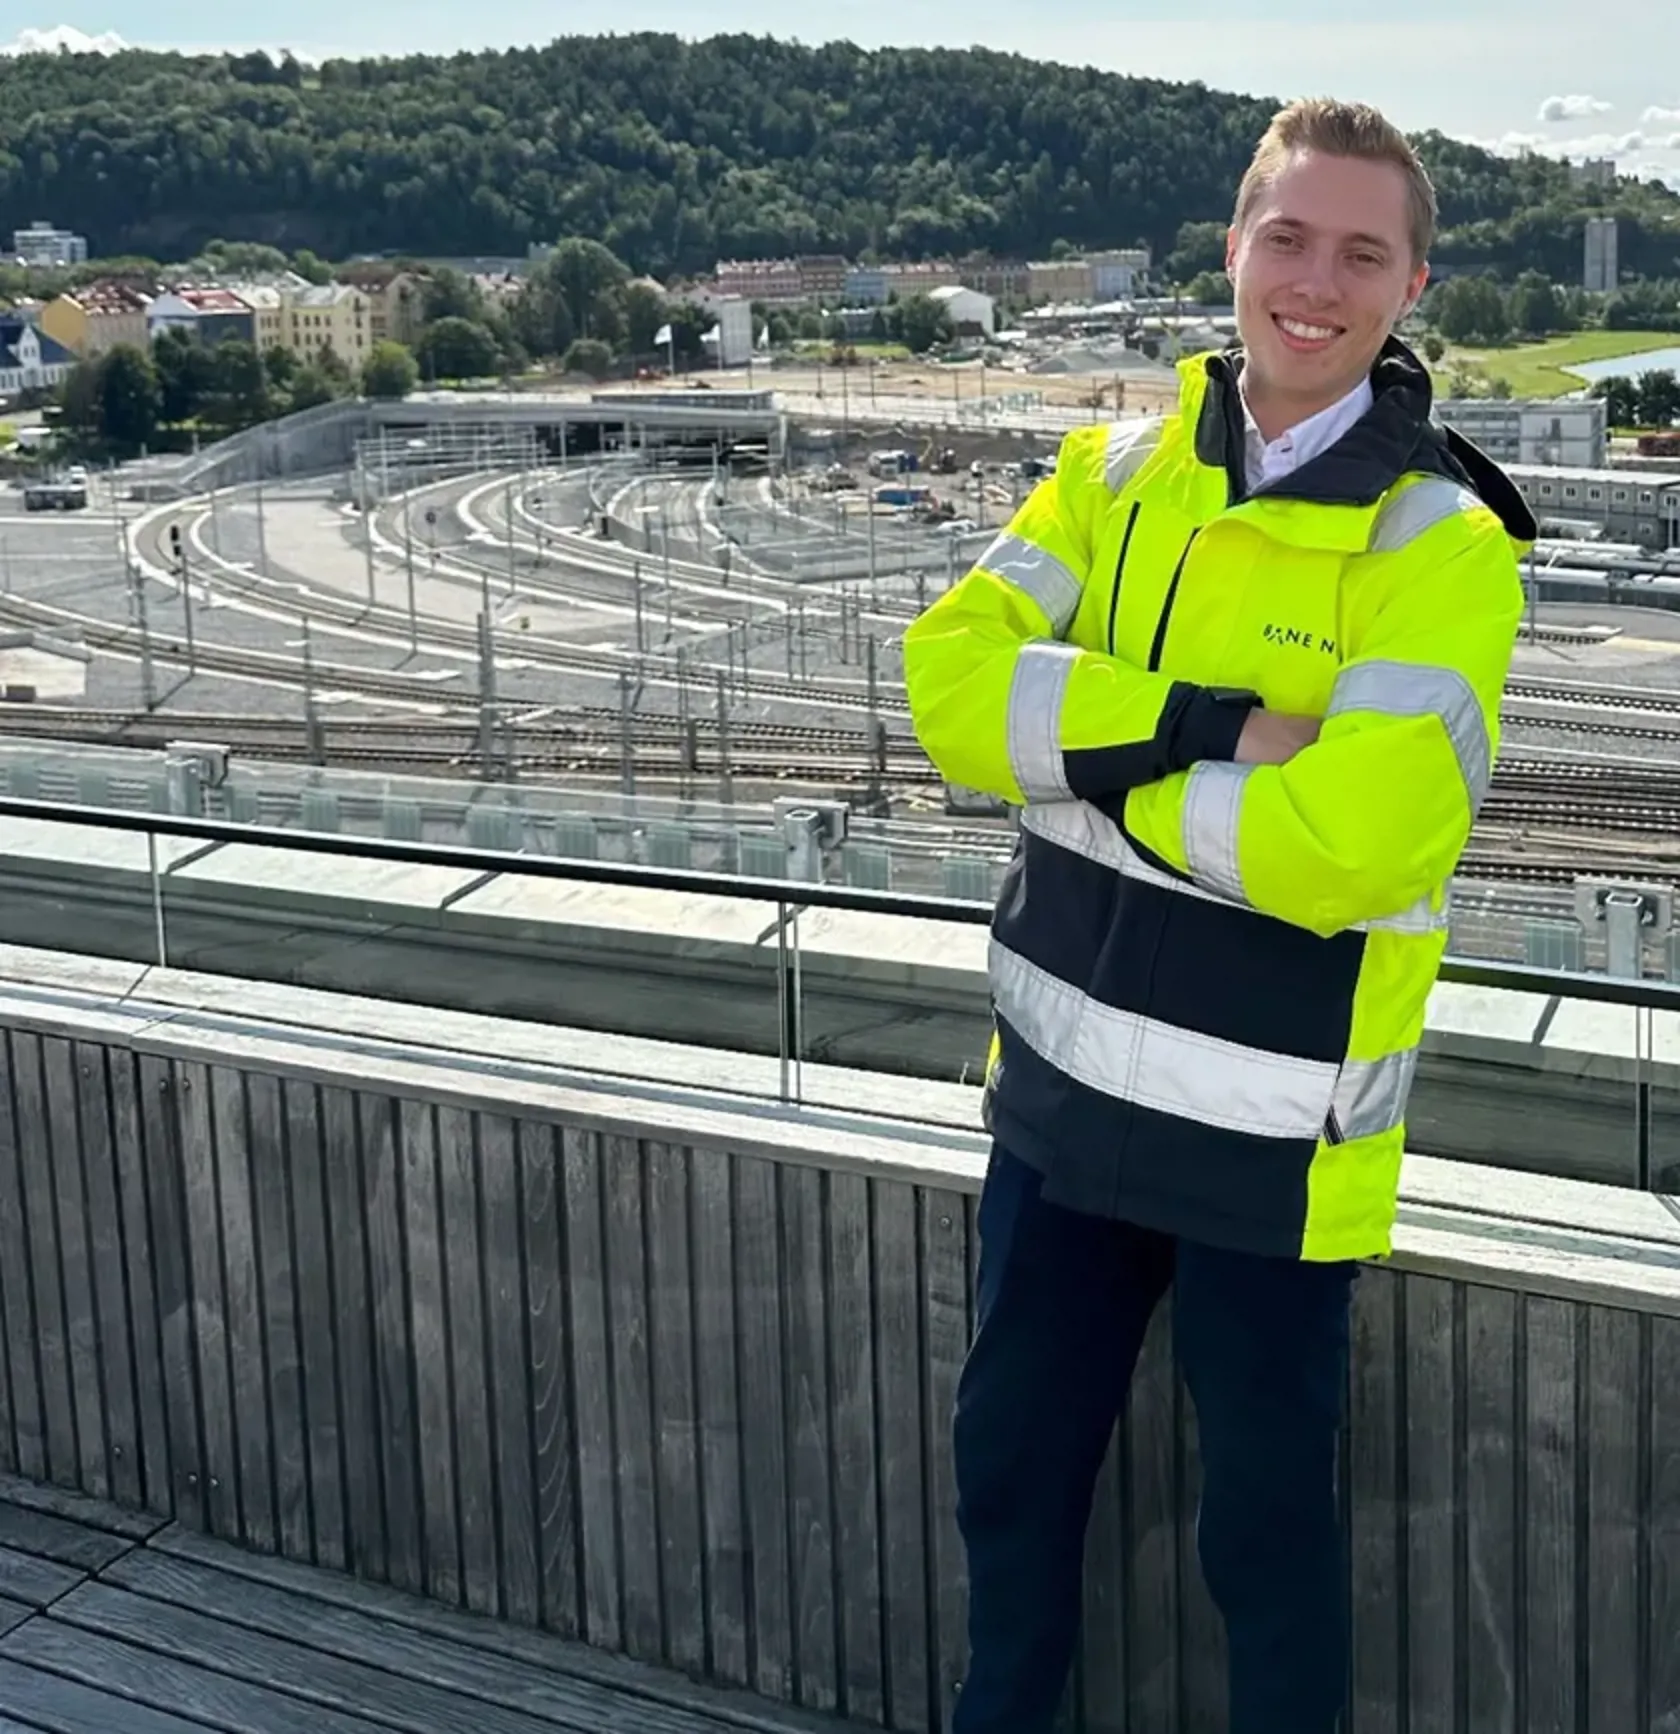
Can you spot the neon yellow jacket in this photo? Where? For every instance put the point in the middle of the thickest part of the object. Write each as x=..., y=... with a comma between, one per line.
x=1209, y=978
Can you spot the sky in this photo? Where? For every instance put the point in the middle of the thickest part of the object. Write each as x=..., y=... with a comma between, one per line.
x=1561, y=76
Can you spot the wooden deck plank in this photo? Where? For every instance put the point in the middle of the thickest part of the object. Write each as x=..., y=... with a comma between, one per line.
x=69, y=1145
x=630, y=1377
x=401, y=1449
x=355, y=1400
x=288, y=1413
x=165, y=1202
x=717, y=1394
x=764, y=1458
x=206, y=1322
x=723, y=1705
x=79, y=1508
x=24, y=1445
x=26, y=1577
x=853, y=1435
x=512, y=1372
x=13, y=1614
x=428, y=1318
x=244, y=1314
x=552, y=1695
x=108, y=1670
x=124, y=1453
x=461, y=1232
x=56, y=1538
x=810, y=1453
x=313, y=1303
x=138, y=1290
x=539, y=1227
x=671, y=1340
x=386, y=1668
x=52, y=1356
x=62, y=1706
x=906, y=1650
x=584, y=1265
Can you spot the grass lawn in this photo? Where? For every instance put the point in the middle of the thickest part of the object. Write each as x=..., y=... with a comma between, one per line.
x=1536, y=369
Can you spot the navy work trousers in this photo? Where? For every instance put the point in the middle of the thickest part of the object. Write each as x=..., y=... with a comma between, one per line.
x=1063, y=1302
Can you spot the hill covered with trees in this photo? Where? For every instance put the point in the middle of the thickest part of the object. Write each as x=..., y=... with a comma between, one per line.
x=675, y=154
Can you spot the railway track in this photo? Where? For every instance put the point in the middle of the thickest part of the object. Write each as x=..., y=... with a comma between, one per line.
x=444, y=635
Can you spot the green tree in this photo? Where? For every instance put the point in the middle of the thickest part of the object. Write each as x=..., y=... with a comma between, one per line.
x=130, y=398
x=239, y=382
x=186, y=373
x=589, y=355
x=1533, y=306
x=1197, y=247
x=451, y=294
x=456, y=349
x=920, y=323
x=389, y=371
x=311, y=385
x=644, y=313
x=593, y=280
x=1433, y=347
x=1211, y=288
x=1621, y=399
x=1472, y=310
x=279, y=363
x=1659, y=398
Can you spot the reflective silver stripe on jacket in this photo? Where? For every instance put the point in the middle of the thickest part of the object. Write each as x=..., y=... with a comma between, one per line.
x=1212, y=809
x=1129, y=446
x=1087, y=831
x=1371, y=1094
x=1175, y=1071
x=1033, y=722
x=1036, y=573
x=1421, y=507
x=1417, y=689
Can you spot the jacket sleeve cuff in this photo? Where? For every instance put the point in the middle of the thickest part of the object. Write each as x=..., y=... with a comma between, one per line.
x=1210, y=725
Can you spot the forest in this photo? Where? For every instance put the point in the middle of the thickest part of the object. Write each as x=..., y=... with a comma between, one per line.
x=677, y=153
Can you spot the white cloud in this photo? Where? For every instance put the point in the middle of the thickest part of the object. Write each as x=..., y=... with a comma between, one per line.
x=1655, y=116
x=63, y=37
x=1556, y=108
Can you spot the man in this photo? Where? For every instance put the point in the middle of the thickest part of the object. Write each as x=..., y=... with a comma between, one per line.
x=1241, y=668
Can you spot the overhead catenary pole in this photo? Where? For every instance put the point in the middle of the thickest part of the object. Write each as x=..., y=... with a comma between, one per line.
x=626, y=753
x=367, y=524
x=725, y=782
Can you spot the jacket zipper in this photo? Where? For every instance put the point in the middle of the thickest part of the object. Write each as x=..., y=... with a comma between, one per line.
x=1119, y=572
x=1167, y=607
x=1333, y=1133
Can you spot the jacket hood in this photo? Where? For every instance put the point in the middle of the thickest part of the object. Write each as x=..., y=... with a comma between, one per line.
x=1397, y=436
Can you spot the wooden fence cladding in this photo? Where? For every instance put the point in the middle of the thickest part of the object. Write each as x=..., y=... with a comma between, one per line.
x=693, y=1405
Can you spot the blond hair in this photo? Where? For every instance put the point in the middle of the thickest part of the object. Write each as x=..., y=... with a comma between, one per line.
x=1342, y=129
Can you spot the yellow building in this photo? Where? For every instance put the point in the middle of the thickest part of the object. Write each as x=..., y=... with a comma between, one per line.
x=96, y=318
x=334, y=316
x=268, y=314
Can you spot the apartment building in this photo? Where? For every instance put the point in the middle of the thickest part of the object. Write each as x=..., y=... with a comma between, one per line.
x=1625, y=505
x=775, y=282
x=1571, y=432
x=46, y=247
x=92, y=320
x=335, y=316
x=1060, y=280
x=1119, y=273
x=212, y=315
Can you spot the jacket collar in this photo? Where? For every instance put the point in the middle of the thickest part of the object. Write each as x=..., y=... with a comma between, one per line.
x=1395, y=437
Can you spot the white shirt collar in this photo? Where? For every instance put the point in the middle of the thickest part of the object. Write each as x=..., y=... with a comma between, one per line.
x=1272, y=460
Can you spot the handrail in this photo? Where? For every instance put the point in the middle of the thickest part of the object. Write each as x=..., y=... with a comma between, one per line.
x=797, y=893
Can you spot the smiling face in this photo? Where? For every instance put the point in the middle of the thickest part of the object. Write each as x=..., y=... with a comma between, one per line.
x=1323, y=266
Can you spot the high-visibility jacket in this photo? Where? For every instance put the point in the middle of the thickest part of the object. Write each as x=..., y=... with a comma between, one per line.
x=1208, y=978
